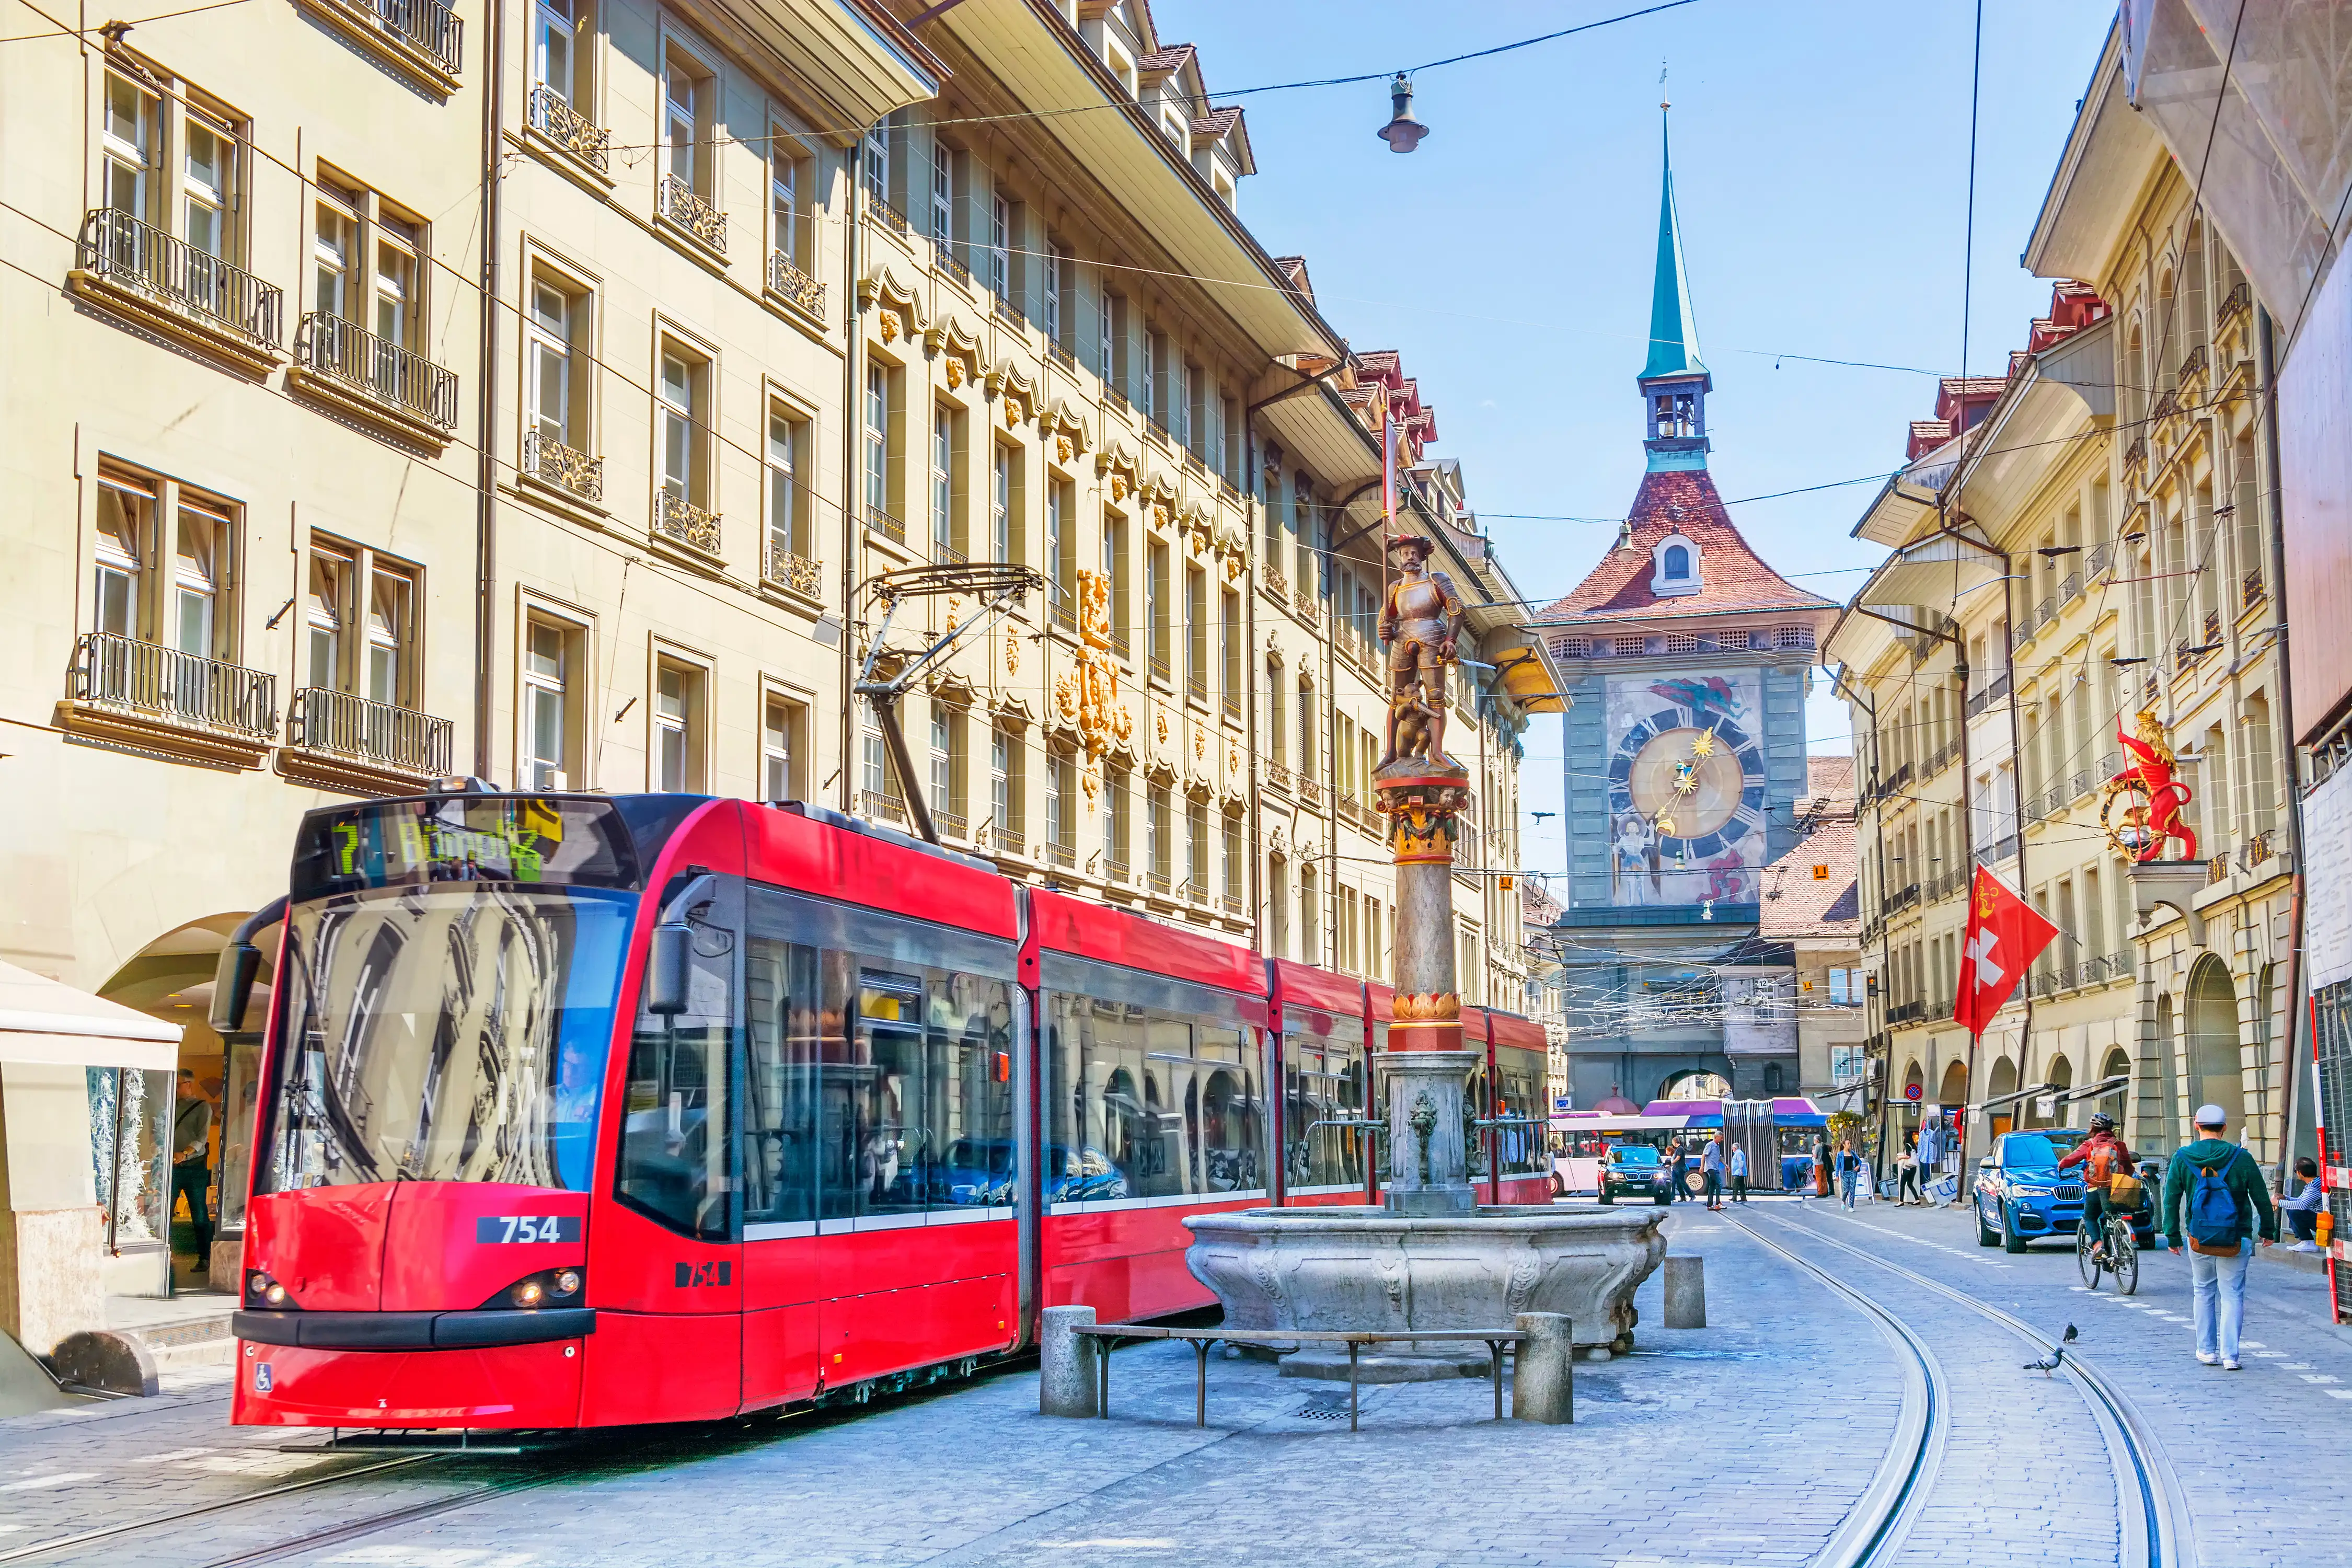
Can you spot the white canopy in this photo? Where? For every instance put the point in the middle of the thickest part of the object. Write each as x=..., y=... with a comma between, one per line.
x=49, y=1022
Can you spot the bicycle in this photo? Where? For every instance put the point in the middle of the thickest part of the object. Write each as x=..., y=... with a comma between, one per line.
x=2121, y=1256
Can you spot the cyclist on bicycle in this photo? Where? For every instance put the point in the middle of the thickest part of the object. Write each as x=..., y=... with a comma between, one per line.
x=2103, y=1158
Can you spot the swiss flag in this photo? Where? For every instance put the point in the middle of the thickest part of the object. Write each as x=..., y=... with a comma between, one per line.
x=2003, y=937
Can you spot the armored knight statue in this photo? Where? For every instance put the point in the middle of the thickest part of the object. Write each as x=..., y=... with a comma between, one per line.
x=1420, y=620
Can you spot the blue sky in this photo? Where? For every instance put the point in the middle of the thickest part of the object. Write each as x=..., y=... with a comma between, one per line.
x=1820, y=167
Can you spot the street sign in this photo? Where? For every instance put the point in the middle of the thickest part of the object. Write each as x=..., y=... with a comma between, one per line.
x=1911, y=1091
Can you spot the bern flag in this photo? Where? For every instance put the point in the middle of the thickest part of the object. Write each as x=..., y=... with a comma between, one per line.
x=2002, y=939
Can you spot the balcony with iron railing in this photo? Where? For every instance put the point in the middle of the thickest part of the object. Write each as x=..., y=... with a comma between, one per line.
x=2135, y=457
x=2252, y=592
x=951, y=824
x=424, y=37
x=346, y=735
x=1276, y=776
x=1232, y=904
x=161, y=698
x=553, y=116
x=785, y=569
x=1065, y=855
x=886, y=212
x=2260, y=847
x=1006, y=310
x=2069, y=587
x=164, y=282
x=2194, y=365
x=1995, y=690
x=2102, y=557
x=679, y=204
x=1228, y=489
x=1156, y=881
x=879, y=807
x=882, y=521
x=1063, y=360
x=794, y=287
x=395, y=388
x=1310, y=792
x=2239, y=298
x=681, y=522
x=944, y=257
x=551, y=462
x=1270, y=577
x=1118, y=871
x=1116, y=401
x=1160, y=670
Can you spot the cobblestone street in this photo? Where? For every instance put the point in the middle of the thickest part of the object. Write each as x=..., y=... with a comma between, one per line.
x=1746, y=1442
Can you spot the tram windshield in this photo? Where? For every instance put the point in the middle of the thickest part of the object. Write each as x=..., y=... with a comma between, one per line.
x=451, y=1031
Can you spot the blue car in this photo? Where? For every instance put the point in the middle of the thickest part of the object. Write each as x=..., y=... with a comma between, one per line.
x=2022, y=1196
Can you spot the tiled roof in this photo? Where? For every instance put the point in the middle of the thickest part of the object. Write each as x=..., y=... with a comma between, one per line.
x=1734, y=578
x=1799, y=902
x=1165, y=62
x=1537, y=908
x=1216, y=123
x=1294, y=268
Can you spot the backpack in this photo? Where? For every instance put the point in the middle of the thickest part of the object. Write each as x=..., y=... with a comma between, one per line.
x=2213, y=1210
x=2100, y=1168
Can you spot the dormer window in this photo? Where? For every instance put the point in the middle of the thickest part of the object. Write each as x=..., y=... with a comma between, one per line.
x=1675, y=568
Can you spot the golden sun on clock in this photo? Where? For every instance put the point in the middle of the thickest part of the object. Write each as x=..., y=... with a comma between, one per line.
x=1697, y=788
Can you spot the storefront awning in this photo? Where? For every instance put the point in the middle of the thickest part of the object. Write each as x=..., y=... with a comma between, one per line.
x=48, y=1021
x=1530, y=677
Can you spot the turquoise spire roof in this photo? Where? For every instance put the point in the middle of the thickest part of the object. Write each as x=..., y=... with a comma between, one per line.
x=1673, y=331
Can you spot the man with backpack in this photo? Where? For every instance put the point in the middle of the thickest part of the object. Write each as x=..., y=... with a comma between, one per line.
x=2214, y=1185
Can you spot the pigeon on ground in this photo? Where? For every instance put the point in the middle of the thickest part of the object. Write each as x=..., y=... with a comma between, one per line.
x=2057, y=1352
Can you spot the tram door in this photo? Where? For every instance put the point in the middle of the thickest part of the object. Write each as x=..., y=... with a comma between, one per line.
x=1748, y=1124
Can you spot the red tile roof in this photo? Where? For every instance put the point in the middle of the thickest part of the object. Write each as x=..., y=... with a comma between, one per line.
x=1165, y=62
x=1537, y=908
x=1294, y=268
x=1799, y=900
x=1734, y=578
x=1216, y=123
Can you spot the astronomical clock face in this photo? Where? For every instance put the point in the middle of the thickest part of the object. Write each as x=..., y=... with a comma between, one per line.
x=1685, y=791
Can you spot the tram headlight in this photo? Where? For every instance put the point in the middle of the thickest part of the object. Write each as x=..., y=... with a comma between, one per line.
x=566, y=1283
x=559, y=1286
x=529, y=1293
x=261, y=1290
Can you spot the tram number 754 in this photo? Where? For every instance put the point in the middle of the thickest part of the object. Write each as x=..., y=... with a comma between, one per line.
x=506, y=1228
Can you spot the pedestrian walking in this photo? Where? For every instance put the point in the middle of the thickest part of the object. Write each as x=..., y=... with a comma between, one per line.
x=2215, y=1199
x=2302, y=1210
x=1680, y=1167
x=1907, y=1173
x=1821, y=1167
x=192, y=1169
x=1710, y=1168
x=1738, y=1172
x=1849, y=1170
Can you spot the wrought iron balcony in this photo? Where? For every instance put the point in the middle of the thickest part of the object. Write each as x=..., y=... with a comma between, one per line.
x=153, y=681
x=1004, y=308
x=2217, y=868
x=1065, y=856
x=1117, y=868
x=1117, y=402
x=678, y=519
x=798, y=572
x=348, y=725
x=794, y=285
x=1994, y=691
x=1275, y=583
x=1010, y=841
x=881, y=521
x=1227, y=489
x=2251, y=591
x=1160, y=670
x=2102, y=557
x=1233, y=903
x=1157, y=882
x=2195, y=364
x=146, y=262
x=553, y=116
x=2069, y=586
x=2259, y=848
x=681, y=206
x=350, y=355
x=425, y=25
x=2136, y=456
x=953, y=824
x=2239, y=298
x=2212, y=625
x=544, y=458
x=881, y=807
x=1061, y=356
x=943, y=254
x=888, y=211
x=1303, y=600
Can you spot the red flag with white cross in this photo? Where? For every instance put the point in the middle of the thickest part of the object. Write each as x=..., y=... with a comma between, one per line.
x=2003, y=937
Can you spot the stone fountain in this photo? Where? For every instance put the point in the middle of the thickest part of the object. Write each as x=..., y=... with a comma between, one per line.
x=1431, y=1257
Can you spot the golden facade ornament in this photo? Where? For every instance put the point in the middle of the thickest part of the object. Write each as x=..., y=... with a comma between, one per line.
x=1426, y=1007
x=1232, y=758
x=1090, y=781
x=955, y=373
x=1011, y=411
x=1160, y=516
x=1160, y=727
x=1119, y=485
x=1012, y=653
x=1101, y=718
x=1063, y=450
x=1199, y=745
x=888, y=326
x=1066, y=698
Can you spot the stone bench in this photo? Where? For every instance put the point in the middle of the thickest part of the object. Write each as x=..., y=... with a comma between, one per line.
x=1543, y=1351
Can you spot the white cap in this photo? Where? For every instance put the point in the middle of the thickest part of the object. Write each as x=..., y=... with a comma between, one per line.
x=2211, y=1116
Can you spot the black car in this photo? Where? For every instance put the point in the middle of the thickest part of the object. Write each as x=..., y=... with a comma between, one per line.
x=1634, y=1171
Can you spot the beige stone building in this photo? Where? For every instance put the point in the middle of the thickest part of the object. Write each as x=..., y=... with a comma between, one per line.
x=533, y=392
x=2086, y=539
x=1812, y=903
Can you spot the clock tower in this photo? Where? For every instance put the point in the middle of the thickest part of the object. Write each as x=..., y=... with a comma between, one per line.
x=1689, y=659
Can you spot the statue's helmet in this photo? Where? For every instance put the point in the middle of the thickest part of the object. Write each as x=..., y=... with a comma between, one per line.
x=1414, y=543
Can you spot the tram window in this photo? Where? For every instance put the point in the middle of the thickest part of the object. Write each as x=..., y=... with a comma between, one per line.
x=676, y=1149
x=918, y=1104
x=1145, y=1104
x=785, y=1035
x=1324, y=1080
x=1520, y=1149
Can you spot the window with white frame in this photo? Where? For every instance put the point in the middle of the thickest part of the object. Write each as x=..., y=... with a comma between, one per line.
x=1062, y=804
x=943, y=448
x=1062, y=549
x=1000, y=246
x=359, y=622
x=1057, y=262
x=209, y=157
x=1002, y=487
x=791, y=181
x=686, y=91
x=677, y=726
x=942, y=192
x=552, y=651
x=942, y=757
x=558, y=56
x=554, y=347
x=790, y=525
x=781, y=725
x=878, y=444
x=1116, y=787
x=1110, y=319
x=1196, y=849
x=131, y=136
x=875, y=163
x=1160, y=843
x=680, y=432
x=365, y=258
x=200, y=566
x=128, y=505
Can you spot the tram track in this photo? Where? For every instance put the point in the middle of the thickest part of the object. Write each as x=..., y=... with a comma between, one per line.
x=1875, y=1530
x=2155, y=1527
x=33, y=1551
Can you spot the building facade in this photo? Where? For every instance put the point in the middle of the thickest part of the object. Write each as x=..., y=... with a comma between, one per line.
x=1687, y=660
x=535, y=392
x=2085, y=544
x=1812, y=905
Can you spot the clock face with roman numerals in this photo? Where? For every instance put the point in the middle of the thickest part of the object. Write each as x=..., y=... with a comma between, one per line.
x=1697, y=777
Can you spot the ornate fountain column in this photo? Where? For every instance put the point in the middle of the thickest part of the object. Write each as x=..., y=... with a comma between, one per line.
x=1421, y=790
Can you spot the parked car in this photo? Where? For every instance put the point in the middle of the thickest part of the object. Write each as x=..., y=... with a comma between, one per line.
x=1634, y=1171
x=2022, y=1196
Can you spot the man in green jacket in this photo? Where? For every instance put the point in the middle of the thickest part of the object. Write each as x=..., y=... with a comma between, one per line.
x=2217, y=1278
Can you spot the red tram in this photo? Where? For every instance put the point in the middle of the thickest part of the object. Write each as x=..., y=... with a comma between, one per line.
x=592, y=1110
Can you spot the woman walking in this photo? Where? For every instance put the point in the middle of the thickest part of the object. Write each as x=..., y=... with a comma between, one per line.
x=1849, y=1171
x=1907, y=1171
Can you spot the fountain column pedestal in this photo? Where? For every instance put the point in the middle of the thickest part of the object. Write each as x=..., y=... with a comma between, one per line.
x=1425, y=1066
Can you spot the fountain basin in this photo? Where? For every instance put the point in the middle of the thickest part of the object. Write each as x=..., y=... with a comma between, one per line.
x=1372, y=1269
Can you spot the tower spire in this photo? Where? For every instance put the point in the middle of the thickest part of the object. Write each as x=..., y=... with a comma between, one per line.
x=1673, y=380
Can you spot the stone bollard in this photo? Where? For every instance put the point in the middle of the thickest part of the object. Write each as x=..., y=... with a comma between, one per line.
x=1066, y=1362
x=1686, y=1292
x=1543, y=1378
